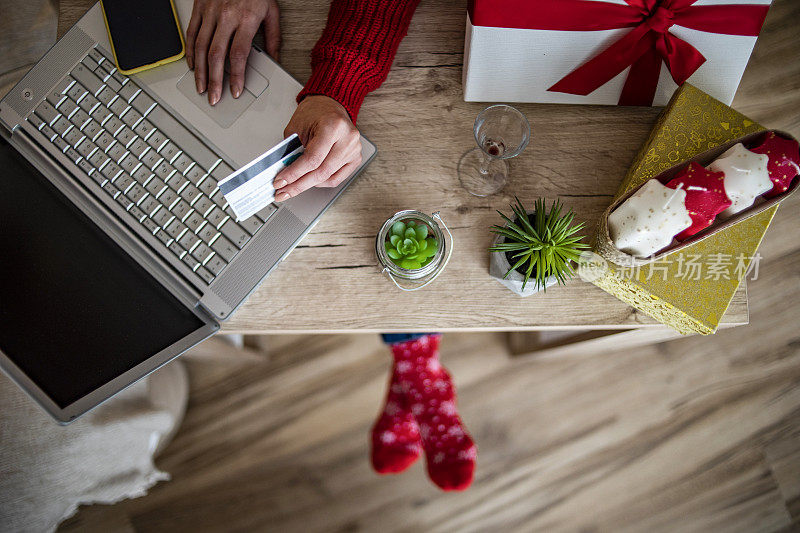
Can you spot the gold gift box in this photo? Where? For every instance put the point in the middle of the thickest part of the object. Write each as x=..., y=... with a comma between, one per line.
x=689, y=290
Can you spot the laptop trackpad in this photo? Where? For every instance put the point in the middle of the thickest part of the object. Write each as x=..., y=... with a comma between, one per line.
x=228, y=109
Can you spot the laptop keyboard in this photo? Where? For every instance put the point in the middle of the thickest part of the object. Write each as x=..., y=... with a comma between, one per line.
x=141, y=156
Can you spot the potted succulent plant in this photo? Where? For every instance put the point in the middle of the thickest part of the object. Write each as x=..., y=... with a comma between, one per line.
x=410, y=246
x=535, y=249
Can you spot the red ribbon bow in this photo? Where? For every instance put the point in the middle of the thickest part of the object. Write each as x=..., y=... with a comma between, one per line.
x=643, y=48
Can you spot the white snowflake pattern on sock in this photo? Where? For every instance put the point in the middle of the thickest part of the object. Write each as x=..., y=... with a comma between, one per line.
x=455, y=431
x=392, y=408
x=424, y=430
x=469, y=453
x=387, y=437
x=447, y=408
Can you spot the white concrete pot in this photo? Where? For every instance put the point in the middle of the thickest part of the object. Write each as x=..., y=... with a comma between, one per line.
x=499, y=265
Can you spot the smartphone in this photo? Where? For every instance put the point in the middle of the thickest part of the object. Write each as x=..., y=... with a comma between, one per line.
x=143, y=33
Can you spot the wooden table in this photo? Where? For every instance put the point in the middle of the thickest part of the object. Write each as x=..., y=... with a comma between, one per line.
x=421, y=125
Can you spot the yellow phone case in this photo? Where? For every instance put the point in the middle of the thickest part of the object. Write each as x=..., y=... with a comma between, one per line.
x=151, y=65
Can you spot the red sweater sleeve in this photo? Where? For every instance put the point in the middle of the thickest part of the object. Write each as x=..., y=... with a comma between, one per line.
x=356, y=50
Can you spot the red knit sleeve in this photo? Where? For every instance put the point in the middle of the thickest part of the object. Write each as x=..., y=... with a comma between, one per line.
x=356, y=50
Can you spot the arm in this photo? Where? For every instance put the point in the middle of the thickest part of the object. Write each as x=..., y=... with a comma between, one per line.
x=356, y=50
x=352, y=58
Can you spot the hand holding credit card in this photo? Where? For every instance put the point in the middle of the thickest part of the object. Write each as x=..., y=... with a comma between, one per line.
x=250, y=189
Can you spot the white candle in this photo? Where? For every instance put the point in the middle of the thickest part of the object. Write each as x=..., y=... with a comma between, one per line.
x=649, y=220
x=746, y=177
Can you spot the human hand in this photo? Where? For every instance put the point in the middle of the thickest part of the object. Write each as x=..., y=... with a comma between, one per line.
x=332, y=147
x=213, y=24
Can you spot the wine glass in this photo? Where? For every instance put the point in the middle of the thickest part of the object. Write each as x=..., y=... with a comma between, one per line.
x=502, y=132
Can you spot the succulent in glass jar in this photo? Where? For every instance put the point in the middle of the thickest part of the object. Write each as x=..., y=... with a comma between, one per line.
x=409, y=246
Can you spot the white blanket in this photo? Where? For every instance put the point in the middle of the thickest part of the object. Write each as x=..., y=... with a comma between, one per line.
x=47, y=470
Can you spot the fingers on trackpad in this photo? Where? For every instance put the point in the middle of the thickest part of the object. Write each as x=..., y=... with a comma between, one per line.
x=254, y=82
x=228, y=109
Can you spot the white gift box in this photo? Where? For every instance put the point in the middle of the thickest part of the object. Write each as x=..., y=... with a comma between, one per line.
x=509, y=64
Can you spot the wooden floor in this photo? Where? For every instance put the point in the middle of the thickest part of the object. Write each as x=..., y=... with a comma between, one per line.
x=698, y=434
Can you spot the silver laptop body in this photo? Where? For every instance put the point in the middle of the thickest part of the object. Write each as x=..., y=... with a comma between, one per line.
x=141, y=157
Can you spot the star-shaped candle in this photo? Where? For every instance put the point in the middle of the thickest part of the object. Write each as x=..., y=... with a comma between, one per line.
x=705, y=196
x=784, y=161
x=746, y=177
x=648, y=220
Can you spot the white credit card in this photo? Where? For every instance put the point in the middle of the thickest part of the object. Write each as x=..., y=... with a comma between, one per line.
x=249, y=189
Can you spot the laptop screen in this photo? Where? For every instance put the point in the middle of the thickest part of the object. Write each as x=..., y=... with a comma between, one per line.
x=75, y=310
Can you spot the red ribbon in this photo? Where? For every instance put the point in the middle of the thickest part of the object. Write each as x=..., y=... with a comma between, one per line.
x=643, y=48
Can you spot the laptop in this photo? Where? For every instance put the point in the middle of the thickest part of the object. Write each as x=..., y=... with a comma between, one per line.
x=119, y=252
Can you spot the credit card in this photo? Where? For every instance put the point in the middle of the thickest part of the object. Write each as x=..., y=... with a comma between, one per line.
x=249, y=189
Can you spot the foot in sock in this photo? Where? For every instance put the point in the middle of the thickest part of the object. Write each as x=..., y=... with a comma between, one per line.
x=429, y=391
x=396, y=442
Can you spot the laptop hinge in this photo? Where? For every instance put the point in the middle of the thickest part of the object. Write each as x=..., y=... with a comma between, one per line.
x=8, y=119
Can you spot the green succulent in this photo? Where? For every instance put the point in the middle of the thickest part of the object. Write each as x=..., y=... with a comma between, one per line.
x=409, y=246
x=545, y=241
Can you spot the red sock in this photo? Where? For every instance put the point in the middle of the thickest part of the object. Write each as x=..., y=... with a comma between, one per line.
x=430, y=393
x=396, y=442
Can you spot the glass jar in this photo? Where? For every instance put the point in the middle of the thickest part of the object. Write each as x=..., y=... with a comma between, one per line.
x=418, y=277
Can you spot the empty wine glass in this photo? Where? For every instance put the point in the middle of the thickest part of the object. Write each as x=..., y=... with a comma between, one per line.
x=502, y=132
